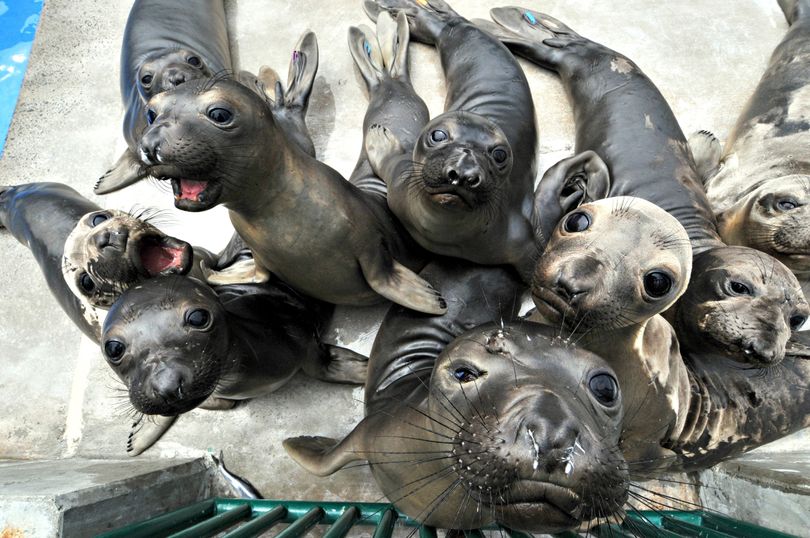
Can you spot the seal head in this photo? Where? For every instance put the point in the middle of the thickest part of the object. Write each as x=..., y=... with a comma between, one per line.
x=744, y=306
x=109, y=251
x=167, y=340
x=167, y=70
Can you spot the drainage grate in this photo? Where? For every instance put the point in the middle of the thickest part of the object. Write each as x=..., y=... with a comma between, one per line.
x=243, y=518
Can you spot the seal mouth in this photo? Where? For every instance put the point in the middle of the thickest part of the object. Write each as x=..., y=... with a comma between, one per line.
x=550, y=305
x=194, y=194
x=164, y=256
x=532, y=501
x=451, y=196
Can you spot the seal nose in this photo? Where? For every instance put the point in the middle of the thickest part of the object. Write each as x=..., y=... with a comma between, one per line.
x=111, y=238
x=167, y=383
x=576, y=279
x=549, y=437
x=464, y=171
x=150, y=146
x=175, y=77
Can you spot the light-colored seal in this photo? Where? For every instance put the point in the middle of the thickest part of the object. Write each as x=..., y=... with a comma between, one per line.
x=218, y=142
x=176, y=344
x=610, y=268
x=761, y=190
x=502, y=423
x=464, y=187
x=622, y=119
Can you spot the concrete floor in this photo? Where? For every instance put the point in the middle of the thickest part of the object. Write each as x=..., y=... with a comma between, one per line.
x=59, y=396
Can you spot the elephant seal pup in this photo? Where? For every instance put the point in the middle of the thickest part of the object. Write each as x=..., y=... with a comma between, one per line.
x=761, y=191
x=218, y=142
x=464, y=187
x=177, y=344
x=540, y=456
x=622, y=117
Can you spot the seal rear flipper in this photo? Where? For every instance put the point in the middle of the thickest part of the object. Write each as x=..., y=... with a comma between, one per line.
x=795, y=10
x=323, y=456
x=707, y=152
x=383, y=55
x=565, y=186
x=146, y=431
x=534, y=35
x=301, y=75
x=426, y=18
x=126, y=171
x=514, y=42
x=399, y=284
x=338, y=365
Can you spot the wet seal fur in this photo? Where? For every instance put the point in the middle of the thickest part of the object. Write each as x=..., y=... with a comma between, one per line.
x=464, y=185
x=177, y=344
x=760, y=188
x=622, y=119
x=292, y=210
x=609, y=270
x=466, y=426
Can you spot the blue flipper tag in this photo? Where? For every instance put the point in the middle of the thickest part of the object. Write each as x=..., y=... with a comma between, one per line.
x=530, y=18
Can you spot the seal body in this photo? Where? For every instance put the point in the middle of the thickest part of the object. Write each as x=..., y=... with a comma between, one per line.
x=761, y=190
x=41, y=216
x=623, y=120
x=165, y=44
x=464, y=187
x=500, y=439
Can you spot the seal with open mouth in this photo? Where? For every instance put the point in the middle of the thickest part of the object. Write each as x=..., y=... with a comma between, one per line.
x=468, y=426
x=622, y=119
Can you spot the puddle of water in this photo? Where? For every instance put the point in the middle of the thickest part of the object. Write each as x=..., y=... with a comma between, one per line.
x=18, y=22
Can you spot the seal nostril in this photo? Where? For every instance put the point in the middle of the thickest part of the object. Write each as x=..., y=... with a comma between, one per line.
x=452, y=175
x=473, y=181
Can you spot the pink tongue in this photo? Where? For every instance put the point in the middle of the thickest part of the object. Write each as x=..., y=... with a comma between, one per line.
x=156, y=259
x=190, y=189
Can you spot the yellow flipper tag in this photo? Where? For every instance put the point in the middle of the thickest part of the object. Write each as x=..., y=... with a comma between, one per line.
x=422, y=2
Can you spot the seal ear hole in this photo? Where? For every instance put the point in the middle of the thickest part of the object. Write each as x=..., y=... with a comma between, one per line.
x=219, y=115
x=466, y=374
x=738, y=288
x=605, y=389
x=99, y=218
x=578, y=221
x=657, y=284
x=86, y=283
x=797, y=321
x=194, y=61
x=146, y=79
x=437, y=136
x=114, y=350
x=199, y=318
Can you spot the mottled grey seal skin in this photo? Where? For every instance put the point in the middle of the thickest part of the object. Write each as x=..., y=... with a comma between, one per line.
x=507, y=419
x=41, y=216
x=176, y=343
x=761, y=191
x=465, y=186
x=622, y=117
x=609, y=270
x=218, y=142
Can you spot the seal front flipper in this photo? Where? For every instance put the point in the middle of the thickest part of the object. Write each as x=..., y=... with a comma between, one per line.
x=146, y=431
x=426, y=18
x=126, y=171
x=565, y=186
x=385, y=153
x=399, y=284
x=338, y=365
x=214, y=403
x=244, y=271
x=707, y=152
x=323, y=456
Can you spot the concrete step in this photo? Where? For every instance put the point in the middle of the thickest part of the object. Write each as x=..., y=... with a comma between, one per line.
x=83, y=497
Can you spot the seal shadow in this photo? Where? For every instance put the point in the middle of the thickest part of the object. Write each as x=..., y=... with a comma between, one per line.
x=320, y=117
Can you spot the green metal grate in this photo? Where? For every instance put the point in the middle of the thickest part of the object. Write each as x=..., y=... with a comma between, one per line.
x=243, y=518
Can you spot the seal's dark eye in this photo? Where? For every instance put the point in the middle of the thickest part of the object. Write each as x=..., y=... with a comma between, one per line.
x=146, y=80
x=657, y=284
x=87, y=283
x=577, y=222
x=438, y=136
x=220, y=115
x=98, y=219
x=150, y=116
x=198, y=318
x=739, y=288
x=605, y=388
x=797, y=321
x=194, y=61
x=114, y=350
x=465, y=374
x=499, y=155
x=786, y=204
